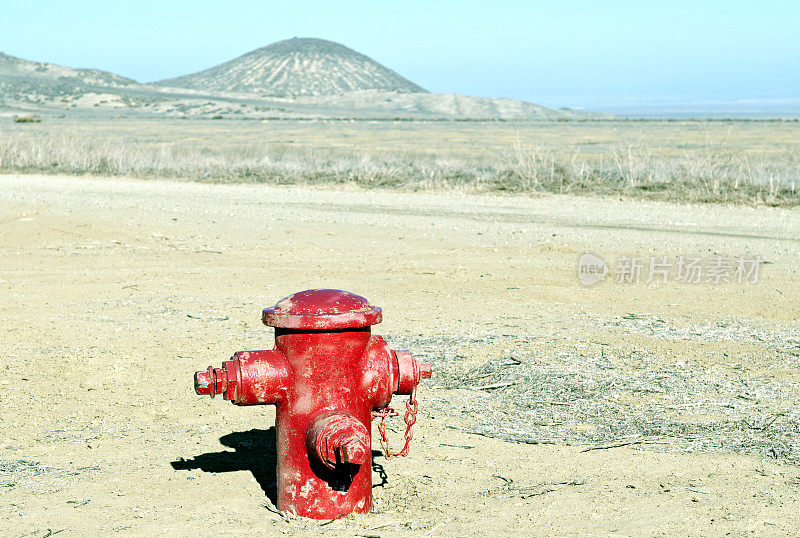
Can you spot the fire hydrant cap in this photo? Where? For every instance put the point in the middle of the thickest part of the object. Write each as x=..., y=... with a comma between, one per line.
x=322, y=309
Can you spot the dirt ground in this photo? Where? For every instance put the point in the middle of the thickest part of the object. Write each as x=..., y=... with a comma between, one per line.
x=114, y=292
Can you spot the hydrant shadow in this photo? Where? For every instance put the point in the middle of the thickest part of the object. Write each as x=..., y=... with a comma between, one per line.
x=253, y=450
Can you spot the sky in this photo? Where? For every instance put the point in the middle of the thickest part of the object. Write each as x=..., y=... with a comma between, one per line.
x=583, y=54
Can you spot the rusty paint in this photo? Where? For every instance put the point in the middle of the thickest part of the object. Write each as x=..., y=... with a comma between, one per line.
x=326, y=375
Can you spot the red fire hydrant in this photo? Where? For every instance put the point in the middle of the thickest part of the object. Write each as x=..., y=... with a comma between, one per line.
x=329, y=377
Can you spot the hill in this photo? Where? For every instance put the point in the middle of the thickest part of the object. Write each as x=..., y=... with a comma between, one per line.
x=436, y=105
x=297, y=67
x=292, y=79
x=30, y=85
x=12, y=67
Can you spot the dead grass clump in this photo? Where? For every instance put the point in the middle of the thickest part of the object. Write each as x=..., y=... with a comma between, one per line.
x=27, y=119
x=15, y=473
x=604, y=399
x=524, y=491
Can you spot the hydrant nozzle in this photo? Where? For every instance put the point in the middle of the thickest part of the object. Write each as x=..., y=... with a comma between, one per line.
x=338, y=439
x=212, y=381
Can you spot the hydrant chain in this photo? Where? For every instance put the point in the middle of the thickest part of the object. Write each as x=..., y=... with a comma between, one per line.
x=410, y=418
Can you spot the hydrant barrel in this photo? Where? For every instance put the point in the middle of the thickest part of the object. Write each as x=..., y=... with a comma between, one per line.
x=326, y=375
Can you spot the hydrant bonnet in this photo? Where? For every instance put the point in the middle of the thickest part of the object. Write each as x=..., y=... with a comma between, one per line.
x=322, y=309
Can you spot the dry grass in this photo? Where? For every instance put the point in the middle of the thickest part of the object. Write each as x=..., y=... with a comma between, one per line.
x=27, y=119
x=14, y=473
x=596, y=395
x=691, y=161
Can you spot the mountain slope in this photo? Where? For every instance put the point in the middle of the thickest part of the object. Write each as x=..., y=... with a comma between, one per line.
x=297, y=67
x=436, y=105
x=12, y=67
x=39, y=84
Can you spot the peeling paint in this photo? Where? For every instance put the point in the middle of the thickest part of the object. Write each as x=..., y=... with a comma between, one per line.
x=306, y=489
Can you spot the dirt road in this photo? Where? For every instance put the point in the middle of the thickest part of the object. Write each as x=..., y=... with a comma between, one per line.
x=114, y=292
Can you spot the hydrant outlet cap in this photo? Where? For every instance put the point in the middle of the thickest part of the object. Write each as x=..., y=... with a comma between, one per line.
x=322, y=309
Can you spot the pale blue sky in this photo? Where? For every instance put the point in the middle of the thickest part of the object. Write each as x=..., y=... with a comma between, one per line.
x=563, y=53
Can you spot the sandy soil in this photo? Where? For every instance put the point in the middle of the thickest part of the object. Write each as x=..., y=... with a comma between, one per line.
x=114, y=292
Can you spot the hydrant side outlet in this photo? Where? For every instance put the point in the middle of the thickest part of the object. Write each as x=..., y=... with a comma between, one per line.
x=327, y=375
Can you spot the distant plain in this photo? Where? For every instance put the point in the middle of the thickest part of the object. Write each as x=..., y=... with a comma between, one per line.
x=750, y=162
